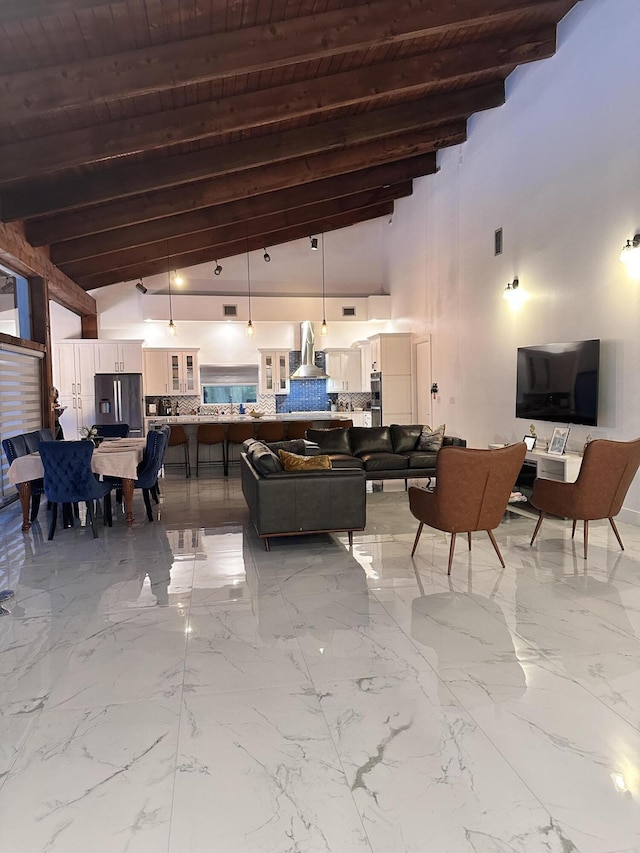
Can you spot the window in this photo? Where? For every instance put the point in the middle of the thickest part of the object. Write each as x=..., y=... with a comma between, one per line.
x=229, y=383
x=14, y=304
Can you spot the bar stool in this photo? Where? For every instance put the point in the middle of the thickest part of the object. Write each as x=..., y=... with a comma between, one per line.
x=270, y=431
x=178, y=438
x=298, y=429
x=345, y=423
x=236, y=434
x=210, y=434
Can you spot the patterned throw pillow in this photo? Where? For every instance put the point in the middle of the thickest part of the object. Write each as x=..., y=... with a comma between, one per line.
x=294, y=462
x=431, y=439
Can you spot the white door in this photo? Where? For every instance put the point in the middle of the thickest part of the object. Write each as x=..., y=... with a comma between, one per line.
x=423, y=382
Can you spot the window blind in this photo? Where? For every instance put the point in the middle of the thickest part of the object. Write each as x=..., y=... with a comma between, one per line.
x=20, y=396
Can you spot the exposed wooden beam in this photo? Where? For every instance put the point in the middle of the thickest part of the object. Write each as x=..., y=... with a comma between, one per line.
x=309, y=97
x=26, y=202
x=211, y=253
x=238, y=211
x=19, y=10
x=17, y=253
x=235, y=232
x=53, y=229
x=243, y=51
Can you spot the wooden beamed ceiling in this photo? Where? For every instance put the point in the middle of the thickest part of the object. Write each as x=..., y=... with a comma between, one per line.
x=139, y=135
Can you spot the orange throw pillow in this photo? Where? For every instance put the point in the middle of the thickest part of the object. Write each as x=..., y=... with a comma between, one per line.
x=294, y=462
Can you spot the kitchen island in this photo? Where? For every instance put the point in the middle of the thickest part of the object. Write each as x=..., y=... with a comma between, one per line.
x=213, y=453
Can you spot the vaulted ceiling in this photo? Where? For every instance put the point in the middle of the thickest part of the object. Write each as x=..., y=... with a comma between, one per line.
x=138, y=135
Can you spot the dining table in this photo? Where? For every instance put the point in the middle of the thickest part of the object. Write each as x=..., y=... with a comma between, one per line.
x=118, y=457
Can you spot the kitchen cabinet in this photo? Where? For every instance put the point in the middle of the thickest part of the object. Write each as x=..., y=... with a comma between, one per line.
x=391, y=356
x=118, y=357
x=171, y=372
x=274, y=371
x=345, y=371
x=73, y=376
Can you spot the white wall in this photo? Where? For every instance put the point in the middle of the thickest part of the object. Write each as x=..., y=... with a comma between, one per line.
x=558, y=168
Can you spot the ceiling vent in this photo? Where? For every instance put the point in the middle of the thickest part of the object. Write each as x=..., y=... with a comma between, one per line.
x=230, y=310
x=348, y=312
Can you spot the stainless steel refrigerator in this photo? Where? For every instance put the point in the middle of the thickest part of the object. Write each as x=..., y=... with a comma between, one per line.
x=119, y=400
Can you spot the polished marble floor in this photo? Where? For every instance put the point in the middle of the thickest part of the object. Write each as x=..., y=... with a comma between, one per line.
x=176, y=689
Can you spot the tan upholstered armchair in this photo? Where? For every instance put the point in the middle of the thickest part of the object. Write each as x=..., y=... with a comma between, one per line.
x=472, y=492
x=606, y=473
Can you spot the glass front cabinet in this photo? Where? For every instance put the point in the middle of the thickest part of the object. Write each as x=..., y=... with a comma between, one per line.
x=274, y=372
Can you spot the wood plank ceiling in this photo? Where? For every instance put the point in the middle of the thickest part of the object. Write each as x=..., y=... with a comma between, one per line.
x=145, y=134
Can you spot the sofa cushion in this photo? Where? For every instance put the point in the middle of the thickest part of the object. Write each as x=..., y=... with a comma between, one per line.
x=331, y=440
x=370, y=440
x=295, y=462
x=263, y=459
x=421, y=458
x=431, y=439
x=343, y=460
x=292, y=445
x=381, y=461
x=405, y=436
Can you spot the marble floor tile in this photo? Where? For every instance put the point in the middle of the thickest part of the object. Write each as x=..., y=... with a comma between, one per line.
x=175, y=687
x=257, y=771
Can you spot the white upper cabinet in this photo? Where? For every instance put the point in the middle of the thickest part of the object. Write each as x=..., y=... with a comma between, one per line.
x=345, y=371
x=118, y=356
x=171, y=372
x=274, y=371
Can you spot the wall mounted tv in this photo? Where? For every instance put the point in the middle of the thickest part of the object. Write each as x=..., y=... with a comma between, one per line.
x=559, y=382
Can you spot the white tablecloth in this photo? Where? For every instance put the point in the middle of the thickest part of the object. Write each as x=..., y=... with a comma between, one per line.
x=118, y=458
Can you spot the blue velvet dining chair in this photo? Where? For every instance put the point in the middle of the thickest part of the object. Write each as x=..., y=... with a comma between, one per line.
x=119, y=430
x=21, y=445
x=68, y=478
x=149, y=468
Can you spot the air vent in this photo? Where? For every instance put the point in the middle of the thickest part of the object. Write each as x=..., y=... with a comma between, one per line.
x=348, y=312
x=230, y=310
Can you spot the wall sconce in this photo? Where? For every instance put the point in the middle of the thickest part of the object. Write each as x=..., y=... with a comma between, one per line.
x=434, y=390
x=630, y=256
x=511, y=289
x=266, y=256
x=314, y=243
x=140, y=286
x=218, y=269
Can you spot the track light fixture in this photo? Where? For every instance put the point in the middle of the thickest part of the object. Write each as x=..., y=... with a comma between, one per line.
x=218, y=269
x=266, y=256
x=314, y=243
x=140, y=286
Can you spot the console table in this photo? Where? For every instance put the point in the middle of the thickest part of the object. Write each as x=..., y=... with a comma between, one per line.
x=551, y=466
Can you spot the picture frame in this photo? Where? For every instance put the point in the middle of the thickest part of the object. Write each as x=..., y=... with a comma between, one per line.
x=530, y=441
x=559, y=440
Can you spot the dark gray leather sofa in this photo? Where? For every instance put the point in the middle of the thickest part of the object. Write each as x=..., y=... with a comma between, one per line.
x=383, y=453
x=289, y=503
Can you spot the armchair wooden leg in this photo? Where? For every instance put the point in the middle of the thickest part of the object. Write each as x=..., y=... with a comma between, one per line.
x=615, y=530
x=495, y=547
x=573, y=528
x=350, y=535
x=535, y=532
x=586, y=537
x=451, y=550
x=469, y=539
x=415, y=543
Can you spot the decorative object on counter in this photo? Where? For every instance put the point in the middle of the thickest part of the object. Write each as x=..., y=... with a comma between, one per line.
x=255, y=414
x=90, y=433
x=532, y=430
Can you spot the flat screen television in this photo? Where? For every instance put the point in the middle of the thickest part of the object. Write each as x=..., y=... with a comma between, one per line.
x=559, y=382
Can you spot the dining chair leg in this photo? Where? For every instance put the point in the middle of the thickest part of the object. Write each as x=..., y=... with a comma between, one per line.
x=586, y=537
x=451, y=550
x=495, y=546
x=91, y=519
x=415, y=542
x=147, y=503
x=198, y=459
x=54, y=518
x=535, y=532
x=108, y=514
x=615, y=530
x=35, y=506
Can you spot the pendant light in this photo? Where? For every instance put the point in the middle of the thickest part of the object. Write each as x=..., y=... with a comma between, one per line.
x=250, y=330
x=171, y=328
x=324, y=329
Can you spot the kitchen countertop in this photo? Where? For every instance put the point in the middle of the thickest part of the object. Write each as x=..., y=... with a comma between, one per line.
x=232, y=419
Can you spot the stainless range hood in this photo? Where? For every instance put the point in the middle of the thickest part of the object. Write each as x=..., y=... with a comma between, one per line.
x=308, y=369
